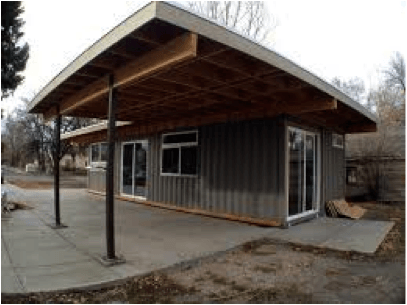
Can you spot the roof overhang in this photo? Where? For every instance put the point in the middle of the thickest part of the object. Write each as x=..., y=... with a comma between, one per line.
x=175, y=68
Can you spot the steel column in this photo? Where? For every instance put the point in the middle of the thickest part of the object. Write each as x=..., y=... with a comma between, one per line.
x=111, y=129
x=56, y=168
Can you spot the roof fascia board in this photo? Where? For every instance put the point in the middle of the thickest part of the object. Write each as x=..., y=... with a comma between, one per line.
x=90, y=129
x=141, y=17
x=181, y=16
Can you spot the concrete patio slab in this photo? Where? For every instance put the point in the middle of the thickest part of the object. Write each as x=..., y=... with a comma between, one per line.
x=44, y=259
x=64, y=276
x=342, y=234
x=9, y=281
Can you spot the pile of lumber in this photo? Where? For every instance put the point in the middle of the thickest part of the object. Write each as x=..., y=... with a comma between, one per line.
x=336, y=208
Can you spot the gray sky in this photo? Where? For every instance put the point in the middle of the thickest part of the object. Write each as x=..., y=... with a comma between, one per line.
x=347, y=38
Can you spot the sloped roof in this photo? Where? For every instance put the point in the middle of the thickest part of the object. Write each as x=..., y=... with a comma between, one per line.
x=220, y=72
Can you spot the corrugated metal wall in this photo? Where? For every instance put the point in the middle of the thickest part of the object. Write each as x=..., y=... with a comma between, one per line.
x=333, y=168
x=97, y=176
x=242, y=171
x=239, y=171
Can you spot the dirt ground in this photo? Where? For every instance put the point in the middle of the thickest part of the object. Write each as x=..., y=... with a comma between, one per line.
x=268, y=271
x=23, y=182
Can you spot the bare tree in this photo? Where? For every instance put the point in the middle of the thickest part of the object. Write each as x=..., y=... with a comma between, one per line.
x=354, y=88
x=27, y=134
x=376, y=155
x=395, y=73
x=247, y=17
x=15, y=139
x=389, y=105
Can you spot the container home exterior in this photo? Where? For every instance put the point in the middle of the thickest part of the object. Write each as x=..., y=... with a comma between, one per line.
x=276, y=169
x=208, y=121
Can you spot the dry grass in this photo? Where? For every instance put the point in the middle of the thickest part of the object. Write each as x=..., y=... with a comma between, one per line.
x=32, y=184
x=393, y=246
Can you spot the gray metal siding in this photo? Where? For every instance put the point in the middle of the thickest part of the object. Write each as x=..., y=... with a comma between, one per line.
x=238, y=173
x=97, y=180
x=242, y=171
x=97, y=176
x=334, y=169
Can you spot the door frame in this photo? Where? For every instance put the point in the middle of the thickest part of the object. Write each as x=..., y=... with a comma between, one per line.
x=318, y=152
x=143, y=198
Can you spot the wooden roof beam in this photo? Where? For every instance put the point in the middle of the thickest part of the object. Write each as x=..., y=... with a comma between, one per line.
x=308, y=106
x=145, y=38
x=361, y=127
x=178, y=50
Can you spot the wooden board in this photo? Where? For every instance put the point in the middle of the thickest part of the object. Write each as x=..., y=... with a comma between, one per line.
x=341, y=207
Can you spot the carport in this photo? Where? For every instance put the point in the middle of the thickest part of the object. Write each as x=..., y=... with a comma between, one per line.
x=165, y=67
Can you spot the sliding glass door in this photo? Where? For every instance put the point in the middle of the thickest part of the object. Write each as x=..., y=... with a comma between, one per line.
x=303, y=171
x=134, y=168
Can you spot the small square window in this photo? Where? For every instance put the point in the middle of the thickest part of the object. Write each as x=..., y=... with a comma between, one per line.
x=337, y=140
x=98, y=154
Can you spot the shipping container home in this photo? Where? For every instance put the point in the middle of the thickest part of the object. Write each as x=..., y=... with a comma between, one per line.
x=205, y=120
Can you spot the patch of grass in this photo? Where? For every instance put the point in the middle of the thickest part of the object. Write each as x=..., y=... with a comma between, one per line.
x=239, y=288
x=265, y=269
x=336, y=271
x=199, y=279
x=220, y=280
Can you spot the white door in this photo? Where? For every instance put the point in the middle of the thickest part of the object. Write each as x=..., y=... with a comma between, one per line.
x=134, y=168
x=303, y=172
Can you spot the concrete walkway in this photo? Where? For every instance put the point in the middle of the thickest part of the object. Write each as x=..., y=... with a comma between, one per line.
x=35, y=257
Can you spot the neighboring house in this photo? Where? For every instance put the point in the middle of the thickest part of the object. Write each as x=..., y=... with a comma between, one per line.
x=210, y=121
x=375, y=165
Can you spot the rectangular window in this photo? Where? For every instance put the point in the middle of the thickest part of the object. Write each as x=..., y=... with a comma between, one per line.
x=352, y=175
x=95, y=152
x=179, y=156
x=170, y=161
x=103, y=152
x=337, y=140
x=189, y=158
x=181, y=138
x=98, y=154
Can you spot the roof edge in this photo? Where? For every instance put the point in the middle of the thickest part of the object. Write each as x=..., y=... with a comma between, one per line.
x=90, y=129
x=210, y=29
x=137, y=19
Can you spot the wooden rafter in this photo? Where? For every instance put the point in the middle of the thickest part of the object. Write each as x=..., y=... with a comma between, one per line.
x=360, y=127
x=176, y=51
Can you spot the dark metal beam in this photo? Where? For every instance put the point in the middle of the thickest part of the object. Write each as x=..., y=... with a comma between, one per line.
x=56, y=167
x=111, y=130
x=111, y=258
x=57, y=159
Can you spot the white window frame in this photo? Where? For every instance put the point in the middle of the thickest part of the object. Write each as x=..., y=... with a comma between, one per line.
x=177, y=145
x=317, y=174
x=99, y=163
x=142, y=198
x=335, y=137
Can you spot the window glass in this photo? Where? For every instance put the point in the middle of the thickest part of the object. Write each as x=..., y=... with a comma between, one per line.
x=95, y=152
x=337, y=140
x=103, y=151
x=170, y=161
x=180, y=138
x=189, y=159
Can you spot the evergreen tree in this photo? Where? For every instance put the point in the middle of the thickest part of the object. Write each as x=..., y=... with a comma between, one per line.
x=13, y=55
